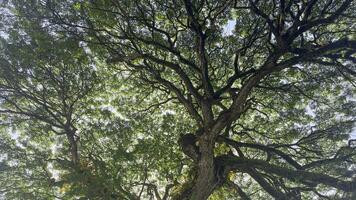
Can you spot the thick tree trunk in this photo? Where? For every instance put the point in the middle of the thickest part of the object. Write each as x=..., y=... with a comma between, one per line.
x=206, y=180
x=73, y=148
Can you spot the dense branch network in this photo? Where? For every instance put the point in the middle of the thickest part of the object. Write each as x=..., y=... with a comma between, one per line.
x=219, y=79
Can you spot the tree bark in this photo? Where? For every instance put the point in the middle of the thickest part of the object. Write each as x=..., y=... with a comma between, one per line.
x=206, y=180
x=73, y=148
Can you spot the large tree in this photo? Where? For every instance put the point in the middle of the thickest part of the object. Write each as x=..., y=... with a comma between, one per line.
x=258, y=95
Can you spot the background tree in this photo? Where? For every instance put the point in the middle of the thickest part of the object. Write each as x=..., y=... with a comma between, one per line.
x=259, y=92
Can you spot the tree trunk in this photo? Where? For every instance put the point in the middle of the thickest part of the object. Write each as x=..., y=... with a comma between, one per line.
x=73, y=148
x=206, y=180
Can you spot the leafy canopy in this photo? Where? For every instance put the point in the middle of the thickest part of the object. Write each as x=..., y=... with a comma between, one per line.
x=188, y=99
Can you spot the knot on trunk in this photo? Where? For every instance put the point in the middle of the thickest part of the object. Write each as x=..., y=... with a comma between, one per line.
x=188, y=143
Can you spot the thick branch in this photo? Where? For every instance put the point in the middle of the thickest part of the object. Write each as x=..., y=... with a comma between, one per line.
x=293, y=175
x=286, y=157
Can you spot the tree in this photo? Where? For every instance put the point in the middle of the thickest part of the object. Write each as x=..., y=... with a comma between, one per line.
x=260, y=94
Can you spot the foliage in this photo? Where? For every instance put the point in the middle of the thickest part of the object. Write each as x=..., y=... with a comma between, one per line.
x=196, y=99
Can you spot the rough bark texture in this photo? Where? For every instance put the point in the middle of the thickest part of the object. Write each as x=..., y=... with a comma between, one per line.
x=206, y=181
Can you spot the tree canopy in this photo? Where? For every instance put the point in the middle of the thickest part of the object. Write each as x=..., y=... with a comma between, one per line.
x=181, y=99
